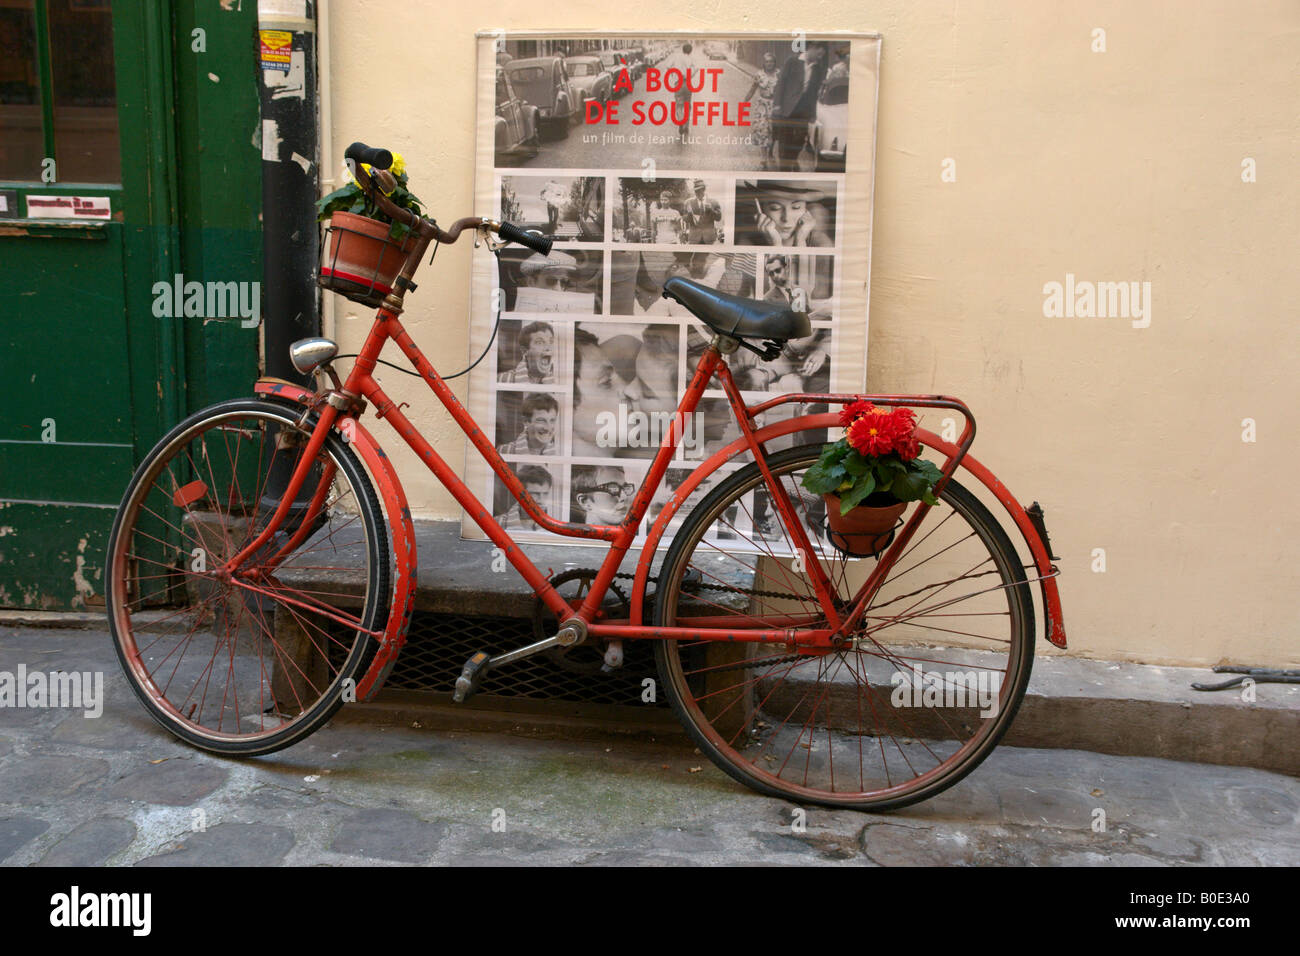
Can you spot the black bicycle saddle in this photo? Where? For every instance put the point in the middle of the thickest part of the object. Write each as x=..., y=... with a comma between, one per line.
x=739, y=318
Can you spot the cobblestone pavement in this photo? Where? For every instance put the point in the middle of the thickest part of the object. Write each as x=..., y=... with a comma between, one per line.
x=118, y=789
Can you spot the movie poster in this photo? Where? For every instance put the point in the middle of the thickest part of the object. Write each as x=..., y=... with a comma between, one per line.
x=742, y=161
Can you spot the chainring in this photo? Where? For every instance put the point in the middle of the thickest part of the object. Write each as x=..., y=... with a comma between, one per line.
x=589, y=656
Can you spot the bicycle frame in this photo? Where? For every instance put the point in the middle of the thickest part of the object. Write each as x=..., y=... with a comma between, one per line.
x=349, y=401
x=361, y=384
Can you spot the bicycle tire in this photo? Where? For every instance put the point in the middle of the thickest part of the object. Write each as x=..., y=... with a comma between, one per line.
x=311, y=629
x=686, y=668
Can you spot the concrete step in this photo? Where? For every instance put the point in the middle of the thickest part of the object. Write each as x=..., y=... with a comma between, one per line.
x=1101, y=706
x=1139, y=710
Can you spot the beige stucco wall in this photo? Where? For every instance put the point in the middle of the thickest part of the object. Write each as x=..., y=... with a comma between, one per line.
x=1116, y=166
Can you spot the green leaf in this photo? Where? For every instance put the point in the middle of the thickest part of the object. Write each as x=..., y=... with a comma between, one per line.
x=348, y=192
x=905, y=488
x=884, y=472
x=931, y=471
x=857, y=465
x=853, y=498
x=819, y=480
x=837, y=451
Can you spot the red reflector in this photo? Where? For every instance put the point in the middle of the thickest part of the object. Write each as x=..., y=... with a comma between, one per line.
x=186, y=495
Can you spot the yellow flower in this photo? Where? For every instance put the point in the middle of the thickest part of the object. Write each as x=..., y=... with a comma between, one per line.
x=399, y=164
x=371, y=173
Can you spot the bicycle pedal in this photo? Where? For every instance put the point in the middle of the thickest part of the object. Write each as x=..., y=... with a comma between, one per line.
x=471, y=676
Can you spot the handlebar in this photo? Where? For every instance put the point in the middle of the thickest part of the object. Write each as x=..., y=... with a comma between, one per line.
x=381, y=160
x=370, y=155
x=512, y=233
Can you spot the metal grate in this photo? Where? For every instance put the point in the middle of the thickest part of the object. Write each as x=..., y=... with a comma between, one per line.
x=439, y=644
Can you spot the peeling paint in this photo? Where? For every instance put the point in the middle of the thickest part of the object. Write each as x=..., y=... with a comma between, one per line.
x=84, y=588
x=270, y=141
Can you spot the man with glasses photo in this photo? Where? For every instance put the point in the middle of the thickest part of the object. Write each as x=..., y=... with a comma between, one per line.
x=601, y=494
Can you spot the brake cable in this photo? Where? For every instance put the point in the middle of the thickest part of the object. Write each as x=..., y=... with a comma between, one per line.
x=496, y=324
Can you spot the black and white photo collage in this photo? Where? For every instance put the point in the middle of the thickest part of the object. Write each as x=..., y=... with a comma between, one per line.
x=590, y=360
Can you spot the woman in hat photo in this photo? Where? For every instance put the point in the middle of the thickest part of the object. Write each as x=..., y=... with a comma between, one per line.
x=785, y=213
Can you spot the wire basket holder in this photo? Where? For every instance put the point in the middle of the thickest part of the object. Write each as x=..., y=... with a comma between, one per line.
x=842, y=547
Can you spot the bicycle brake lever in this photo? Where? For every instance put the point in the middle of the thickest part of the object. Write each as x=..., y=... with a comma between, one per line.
x=484, y=235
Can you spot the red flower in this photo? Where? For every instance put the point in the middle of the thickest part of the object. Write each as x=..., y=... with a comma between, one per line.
x=853, y=411
x=904, y=422
x=873, y=430
x=870, y=437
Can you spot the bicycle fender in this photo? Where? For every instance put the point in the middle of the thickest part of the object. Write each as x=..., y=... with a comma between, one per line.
x=1054, y=626
x=400, y=527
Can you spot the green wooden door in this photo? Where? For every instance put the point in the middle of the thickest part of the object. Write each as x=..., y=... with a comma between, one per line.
x=112, y=109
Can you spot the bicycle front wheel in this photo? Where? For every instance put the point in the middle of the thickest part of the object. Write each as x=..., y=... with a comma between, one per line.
x=249, y=661
x=906, y=706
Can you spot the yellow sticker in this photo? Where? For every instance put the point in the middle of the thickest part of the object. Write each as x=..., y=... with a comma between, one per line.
x=276, y=46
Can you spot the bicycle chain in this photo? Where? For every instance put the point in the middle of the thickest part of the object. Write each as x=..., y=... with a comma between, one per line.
x=735, y=590
x=719, y=587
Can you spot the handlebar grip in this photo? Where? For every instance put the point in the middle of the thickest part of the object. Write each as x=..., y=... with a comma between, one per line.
x=370, y=155
x=512, y=233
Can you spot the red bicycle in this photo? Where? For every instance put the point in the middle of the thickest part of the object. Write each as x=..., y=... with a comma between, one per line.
x=262, y=571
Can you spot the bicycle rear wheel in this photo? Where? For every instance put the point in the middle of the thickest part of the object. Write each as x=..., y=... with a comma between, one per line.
x=248, y=662
x=916, y=700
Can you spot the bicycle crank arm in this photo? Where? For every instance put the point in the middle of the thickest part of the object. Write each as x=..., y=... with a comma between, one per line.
x=477, y=667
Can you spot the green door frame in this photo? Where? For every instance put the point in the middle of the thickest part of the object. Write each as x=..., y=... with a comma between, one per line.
x=189, y=202
x=142, y=41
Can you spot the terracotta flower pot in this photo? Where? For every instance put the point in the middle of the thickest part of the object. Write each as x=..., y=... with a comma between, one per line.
x=866, y=530
x=362, y=262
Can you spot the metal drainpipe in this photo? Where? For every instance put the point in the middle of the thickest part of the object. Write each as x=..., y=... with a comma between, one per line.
x=290, y=237
x=290, y=152
x=328, y=165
